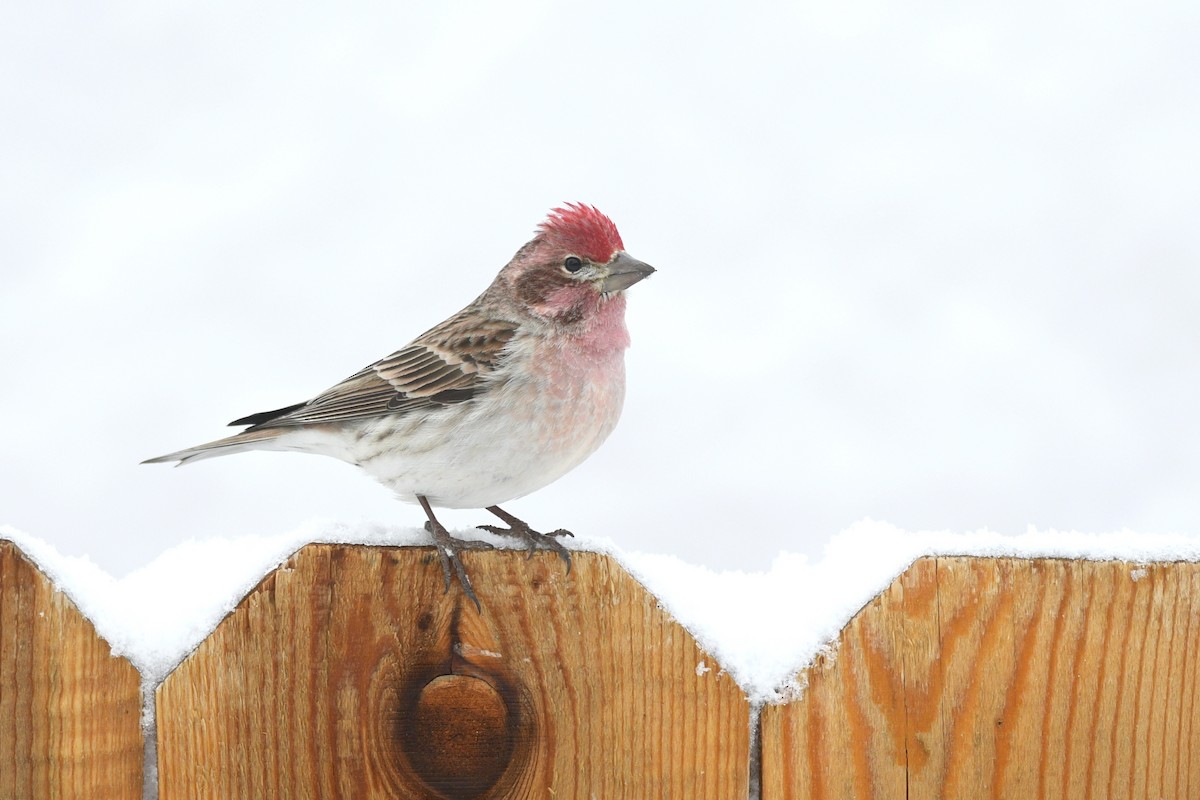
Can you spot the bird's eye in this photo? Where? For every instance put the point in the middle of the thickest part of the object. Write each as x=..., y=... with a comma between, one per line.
x=573, y=264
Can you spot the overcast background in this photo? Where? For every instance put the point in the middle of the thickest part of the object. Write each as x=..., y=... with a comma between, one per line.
x=935, y=264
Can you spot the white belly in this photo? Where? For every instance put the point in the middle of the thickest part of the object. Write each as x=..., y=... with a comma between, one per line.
x=521, y=435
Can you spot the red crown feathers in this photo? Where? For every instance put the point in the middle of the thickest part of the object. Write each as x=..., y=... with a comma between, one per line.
x=583, y=231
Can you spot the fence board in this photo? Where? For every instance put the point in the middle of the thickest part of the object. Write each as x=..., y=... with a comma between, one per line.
x=348, y=673
x=70, y=713
x=1002, y=678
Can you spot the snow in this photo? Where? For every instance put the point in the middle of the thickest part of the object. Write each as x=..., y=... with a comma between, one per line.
x=759, y=627
x=762, y=627
x=156, y=615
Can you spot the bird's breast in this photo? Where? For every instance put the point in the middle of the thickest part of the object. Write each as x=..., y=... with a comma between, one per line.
x=549, y=406
x=577, y=395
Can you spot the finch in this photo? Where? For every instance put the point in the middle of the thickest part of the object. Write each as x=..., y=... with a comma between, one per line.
x=499, y=400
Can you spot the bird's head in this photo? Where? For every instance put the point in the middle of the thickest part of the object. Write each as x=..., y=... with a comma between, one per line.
x=573, y=266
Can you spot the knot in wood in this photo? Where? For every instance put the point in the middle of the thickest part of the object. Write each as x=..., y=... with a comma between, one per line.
x=460, y=739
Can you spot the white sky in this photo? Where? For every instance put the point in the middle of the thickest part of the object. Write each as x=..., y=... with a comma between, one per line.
x=931, y=264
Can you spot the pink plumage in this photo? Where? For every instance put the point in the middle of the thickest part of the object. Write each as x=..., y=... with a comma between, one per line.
x=501, y=399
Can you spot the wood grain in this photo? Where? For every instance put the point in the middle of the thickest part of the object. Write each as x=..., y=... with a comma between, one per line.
x=70, y=713
x=1002, y=678
x=349, y=673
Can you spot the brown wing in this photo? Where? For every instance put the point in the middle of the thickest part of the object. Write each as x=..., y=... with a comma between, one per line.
x=443, y=366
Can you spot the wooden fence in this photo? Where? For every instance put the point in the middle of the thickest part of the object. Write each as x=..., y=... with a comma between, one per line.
x=347, y=673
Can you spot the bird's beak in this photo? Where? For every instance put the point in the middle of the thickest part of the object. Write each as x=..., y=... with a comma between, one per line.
x=624, y=271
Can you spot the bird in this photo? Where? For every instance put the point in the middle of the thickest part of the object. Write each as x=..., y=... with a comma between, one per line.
x=496, y=402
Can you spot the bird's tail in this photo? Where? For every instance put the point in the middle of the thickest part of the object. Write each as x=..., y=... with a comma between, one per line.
x=264, y=439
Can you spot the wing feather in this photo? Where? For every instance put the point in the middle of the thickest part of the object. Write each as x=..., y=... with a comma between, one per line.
x=448, y=364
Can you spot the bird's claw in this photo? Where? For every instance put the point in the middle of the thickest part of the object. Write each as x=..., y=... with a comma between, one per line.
x=448, y=549
x=534, y=541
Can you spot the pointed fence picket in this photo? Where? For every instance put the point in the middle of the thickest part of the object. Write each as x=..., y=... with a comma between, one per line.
x=70, y=713
x=350, y=673
x=1001, y=678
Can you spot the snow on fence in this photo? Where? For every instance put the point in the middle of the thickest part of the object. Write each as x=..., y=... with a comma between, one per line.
x=348, y=673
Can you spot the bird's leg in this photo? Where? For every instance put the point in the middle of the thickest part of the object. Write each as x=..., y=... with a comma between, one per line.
x=533, y=540
x=448, y=549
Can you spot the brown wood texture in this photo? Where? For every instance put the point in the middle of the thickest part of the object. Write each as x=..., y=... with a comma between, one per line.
x=349, y=672
x=70, y=713
x=1036, y=679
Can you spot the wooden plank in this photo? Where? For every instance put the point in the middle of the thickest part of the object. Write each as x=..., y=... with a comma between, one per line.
x=349, y=673
x=70, y=713
x=853, y=695
x=1016, y=678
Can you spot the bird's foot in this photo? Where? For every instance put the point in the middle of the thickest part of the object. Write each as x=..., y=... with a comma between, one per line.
x=448, y=549
x=534, y=540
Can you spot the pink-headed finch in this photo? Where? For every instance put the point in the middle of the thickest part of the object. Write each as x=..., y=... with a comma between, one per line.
x=499, y=400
